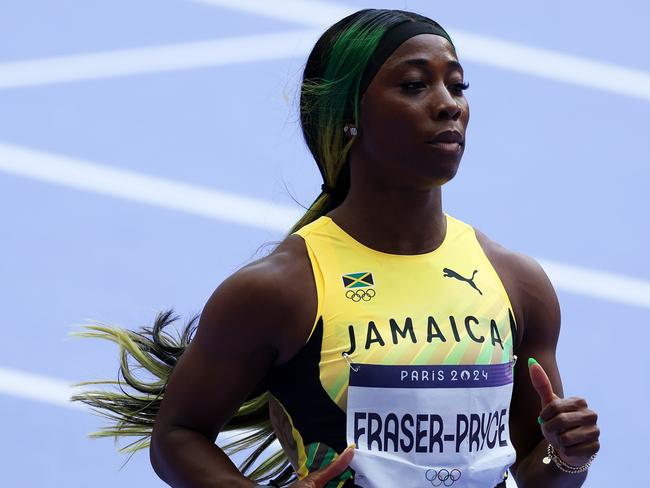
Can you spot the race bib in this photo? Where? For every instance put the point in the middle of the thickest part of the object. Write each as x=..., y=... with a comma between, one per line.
x=423, y=426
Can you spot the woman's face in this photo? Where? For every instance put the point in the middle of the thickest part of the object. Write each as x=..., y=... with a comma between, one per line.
x=415, y=97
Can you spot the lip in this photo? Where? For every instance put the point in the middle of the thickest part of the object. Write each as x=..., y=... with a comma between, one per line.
x=447, y=136
x=447, y=147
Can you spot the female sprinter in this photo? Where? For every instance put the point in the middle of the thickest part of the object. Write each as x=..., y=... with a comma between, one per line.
x=380, y=323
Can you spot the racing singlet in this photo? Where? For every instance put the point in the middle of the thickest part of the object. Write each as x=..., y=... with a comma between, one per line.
x=410, y=358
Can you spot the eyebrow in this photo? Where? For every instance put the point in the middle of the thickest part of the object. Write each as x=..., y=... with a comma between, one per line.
x=425, y=62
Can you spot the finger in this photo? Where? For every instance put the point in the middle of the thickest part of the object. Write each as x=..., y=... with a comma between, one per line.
x=540, y=381
x=566, y=420
x=579, y=435
x=560, y=405
x=340, y=464
x=572, y=436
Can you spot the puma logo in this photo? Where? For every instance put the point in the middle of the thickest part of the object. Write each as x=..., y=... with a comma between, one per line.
x=450, y=273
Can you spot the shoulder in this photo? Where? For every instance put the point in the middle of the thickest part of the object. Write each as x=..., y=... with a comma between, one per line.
x=530, y=291
x=271, y=300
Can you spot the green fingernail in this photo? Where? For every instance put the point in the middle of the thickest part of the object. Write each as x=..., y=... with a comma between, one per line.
x=540, y=421
x=532, y=361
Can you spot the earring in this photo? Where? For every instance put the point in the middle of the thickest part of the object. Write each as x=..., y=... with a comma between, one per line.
x=350, y=130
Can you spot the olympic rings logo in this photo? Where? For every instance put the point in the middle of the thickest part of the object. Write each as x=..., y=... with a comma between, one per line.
x=362, y=294
x=442, y=477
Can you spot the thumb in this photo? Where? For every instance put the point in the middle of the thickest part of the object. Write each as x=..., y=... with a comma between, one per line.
x=340, y=464
x=540, y=381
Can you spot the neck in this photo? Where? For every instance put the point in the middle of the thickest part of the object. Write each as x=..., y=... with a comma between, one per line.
x=390, y=218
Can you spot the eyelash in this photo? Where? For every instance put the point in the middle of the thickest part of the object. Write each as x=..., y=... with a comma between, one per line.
x=457, y=86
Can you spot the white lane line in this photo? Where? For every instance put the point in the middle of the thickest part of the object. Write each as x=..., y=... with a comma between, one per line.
x=598, y=284
x=552, y=65
x=141, y=188
x=489, y=51
x=57, y=392
x=230, y=207
x=171, y=57
x=36, y=387
x=307, y=12
x=485, y=50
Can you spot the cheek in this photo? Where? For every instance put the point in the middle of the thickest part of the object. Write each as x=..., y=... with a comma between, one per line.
x=392, y=122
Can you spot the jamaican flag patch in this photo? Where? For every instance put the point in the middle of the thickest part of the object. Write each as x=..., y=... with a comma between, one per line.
x=358, y=280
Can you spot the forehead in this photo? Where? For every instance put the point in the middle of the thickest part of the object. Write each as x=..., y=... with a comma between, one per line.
x=435, y=49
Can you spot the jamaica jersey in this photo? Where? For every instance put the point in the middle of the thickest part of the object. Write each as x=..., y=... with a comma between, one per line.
x=410, y=357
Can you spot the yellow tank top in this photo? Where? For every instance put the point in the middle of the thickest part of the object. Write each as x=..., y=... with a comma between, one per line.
x=410, y=357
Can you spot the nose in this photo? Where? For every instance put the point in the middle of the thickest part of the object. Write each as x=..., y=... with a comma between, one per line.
x=443, y=105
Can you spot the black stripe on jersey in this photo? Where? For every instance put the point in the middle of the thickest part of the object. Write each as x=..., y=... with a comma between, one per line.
x=296, y=385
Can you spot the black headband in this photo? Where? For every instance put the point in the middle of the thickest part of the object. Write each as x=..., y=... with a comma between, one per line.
x=391, y=40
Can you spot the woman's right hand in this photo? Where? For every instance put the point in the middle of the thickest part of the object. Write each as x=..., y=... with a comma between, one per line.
x=318, y=479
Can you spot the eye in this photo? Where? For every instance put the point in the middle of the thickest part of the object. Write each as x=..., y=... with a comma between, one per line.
x=414, y=85
x=458, y=88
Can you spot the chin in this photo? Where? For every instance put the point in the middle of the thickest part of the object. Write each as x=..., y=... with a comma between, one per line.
x=443, y=171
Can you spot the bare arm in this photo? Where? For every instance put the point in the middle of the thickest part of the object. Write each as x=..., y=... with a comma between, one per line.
x=232, y=351
x=569, y=425
x=255, y=319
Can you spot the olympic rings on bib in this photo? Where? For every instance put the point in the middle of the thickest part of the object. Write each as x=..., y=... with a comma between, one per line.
x=443, y=477
x=362, y=294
